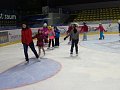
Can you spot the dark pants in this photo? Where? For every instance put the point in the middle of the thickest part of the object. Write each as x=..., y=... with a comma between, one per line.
x=70, y=38
x=56, y=41
x=50, y=42
x=74, y=43
x=31, y=45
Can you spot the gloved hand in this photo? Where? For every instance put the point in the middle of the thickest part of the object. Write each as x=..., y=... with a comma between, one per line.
x=65, y=38
x=105, y=30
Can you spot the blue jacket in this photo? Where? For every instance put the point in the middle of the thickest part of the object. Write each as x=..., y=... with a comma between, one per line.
x=57, y=33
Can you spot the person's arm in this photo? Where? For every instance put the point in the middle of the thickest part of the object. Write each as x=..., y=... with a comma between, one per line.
x=104, y=29
x=97, y=28
x=67, y=36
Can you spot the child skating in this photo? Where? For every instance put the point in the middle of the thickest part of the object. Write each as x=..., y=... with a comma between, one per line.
x=75, y=39
x=57, y=36
x=51, y=36
x=102, y=30
x=40, y=41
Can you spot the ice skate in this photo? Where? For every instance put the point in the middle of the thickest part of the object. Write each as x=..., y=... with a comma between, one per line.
x=69, y=43
x=77, y=54
x=26, y=62
x=71, y=54
x=52, y=48
x=48, y=48
x=38, y=59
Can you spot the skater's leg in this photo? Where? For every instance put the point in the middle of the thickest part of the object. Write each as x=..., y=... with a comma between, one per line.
x=85, y=35
x=58, y=42
x=72, y=46
x=43, y=50
x=55, y=41
x=101, y=35
x=26, y=51
x=33, y=49
x=49, y=43
x=39, y=48
x=76, y=46
x=52, y=42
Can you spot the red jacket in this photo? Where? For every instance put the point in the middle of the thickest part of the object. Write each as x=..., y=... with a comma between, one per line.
x=69, y=29
x=40, y=39
x=101, y=28
x=26, y=36
x=84, y=28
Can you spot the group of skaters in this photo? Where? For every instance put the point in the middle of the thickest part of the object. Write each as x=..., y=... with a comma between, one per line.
x=45, y=36
x=74, y=31
x=49, y=36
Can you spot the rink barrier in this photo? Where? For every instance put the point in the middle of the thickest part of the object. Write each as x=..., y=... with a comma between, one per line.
x=18, y=41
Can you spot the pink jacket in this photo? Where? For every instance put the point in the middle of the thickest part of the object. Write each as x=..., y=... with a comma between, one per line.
x=51, y=34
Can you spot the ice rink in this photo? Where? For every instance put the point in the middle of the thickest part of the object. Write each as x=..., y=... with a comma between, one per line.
x=97, y=67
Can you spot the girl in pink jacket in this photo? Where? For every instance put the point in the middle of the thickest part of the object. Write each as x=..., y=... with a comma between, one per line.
x=51, y=36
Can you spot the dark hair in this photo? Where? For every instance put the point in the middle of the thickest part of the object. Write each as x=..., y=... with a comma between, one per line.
x=26, y=26
x=74, y=30
x=84, y=23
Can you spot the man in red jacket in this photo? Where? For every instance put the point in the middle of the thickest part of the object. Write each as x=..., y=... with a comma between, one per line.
x=26, y=39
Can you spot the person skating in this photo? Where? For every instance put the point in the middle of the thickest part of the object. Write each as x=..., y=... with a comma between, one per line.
x=102, y=30
x=26, y=39
x=84, y=29
x=75, y=39
x=51, y=36
x=57, y=36
x=40, y=41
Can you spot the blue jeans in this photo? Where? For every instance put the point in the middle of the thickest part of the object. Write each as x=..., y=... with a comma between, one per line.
x=31, y=45
x=101, y=35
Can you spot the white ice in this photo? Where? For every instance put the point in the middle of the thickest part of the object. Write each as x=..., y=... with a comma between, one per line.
x=97, y=67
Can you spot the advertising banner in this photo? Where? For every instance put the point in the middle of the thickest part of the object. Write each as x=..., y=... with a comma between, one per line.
x=4, y=37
